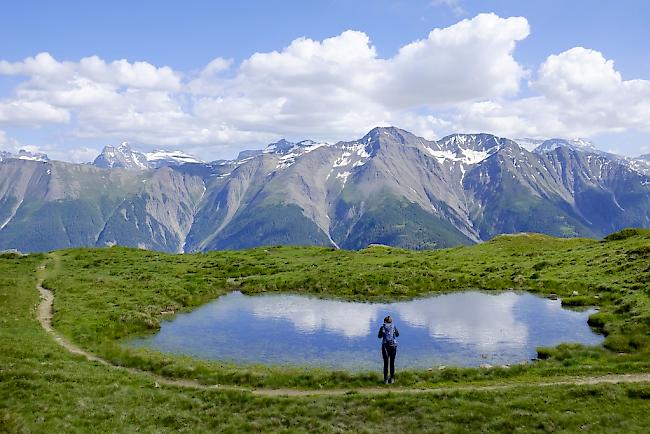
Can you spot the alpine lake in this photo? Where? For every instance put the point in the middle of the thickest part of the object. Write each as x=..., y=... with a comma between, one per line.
x=469, y=328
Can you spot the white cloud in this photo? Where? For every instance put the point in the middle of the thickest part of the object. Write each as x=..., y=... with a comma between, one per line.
x=352, y=320
x=8, y=144
x=31, y=113
x=339, y=86
x=463, y=77
x=580, y=94
x=45, y=71
x=468, y=61
x=328, y=89
x=488, y=321
x=76, y=154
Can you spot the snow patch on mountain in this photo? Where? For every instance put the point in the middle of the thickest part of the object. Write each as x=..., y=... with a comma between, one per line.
x=290, y=151
x=343, y=160
x=639, y=165
x=24, y=155
x=161, y=158
x=466, y=156
x=575, y=144
x=343, y=176
x=123, y=156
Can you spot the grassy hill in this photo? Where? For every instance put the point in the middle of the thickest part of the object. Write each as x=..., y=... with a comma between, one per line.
x=103, y=295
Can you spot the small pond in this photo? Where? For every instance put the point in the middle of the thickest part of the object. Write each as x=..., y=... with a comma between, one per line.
x=465, y=329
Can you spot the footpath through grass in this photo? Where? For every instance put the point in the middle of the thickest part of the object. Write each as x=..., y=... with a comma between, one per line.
x=45, y=389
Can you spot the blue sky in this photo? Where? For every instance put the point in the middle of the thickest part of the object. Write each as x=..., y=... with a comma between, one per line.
x=245, y=101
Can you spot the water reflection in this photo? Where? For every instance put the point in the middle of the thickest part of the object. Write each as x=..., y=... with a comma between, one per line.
x=467, y=328
x=352, y=320
x=472, y=318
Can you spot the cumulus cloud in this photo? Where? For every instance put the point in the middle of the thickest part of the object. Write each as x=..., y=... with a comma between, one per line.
x=463, y=77
x=580, y=94
x=328, y=89
x=31, y=113
x=339, y=86
x=467, y=61
x=45, y=71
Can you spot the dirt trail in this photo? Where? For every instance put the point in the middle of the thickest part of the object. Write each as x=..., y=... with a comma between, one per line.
x=44, y=314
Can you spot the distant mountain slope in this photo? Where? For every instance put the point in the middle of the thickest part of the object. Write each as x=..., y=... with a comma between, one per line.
x=45, y=206
x=388, y=187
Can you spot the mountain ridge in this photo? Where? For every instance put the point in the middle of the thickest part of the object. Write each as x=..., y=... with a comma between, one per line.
x=388, y=187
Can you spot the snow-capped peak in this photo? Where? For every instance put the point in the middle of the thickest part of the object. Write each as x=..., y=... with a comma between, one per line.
x=575, y=144
x=282, y=146
x=24, y=154
x=32, y=156
x=468, y=149
x=582, y=143
x=289, y=153
x=123, y=156
x=159, y=158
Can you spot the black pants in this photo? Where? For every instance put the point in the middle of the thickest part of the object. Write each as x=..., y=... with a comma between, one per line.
x=389, y=352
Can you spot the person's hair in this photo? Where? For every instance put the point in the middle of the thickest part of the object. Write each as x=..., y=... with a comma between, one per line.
x=388, y=319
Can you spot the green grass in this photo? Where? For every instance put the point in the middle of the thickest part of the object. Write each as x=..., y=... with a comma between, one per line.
x=102, y=295
x=105, y=295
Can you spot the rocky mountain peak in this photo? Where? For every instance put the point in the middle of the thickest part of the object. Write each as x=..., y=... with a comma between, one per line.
x=163, y=158
x=33, y=156
x=390, y=187
x=468, y=149
x=125, y=157
x=24, y=154
x=281, y=147
x=473, y=142
x=574, y=144
x=390, y=135
x=121, y=157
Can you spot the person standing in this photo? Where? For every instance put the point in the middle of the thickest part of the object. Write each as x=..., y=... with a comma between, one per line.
x=388, y=334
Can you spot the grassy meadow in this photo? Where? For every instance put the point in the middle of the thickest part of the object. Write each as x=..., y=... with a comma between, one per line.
x=105, y=295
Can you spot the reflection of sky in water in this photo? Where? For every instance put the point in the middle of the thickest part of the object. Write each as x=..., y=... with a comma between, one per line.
x=467, y=328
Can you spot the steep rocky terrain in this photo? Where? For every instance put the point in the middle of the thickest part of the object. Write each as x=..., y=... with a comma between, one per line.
x=388, y=187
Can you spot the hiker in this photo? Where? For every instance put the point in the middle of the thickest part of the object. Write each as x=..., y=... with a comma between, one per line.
x=388, y=334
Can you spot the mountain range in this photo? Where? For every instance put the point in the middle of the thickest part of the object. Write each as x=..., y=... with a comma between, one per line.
x=388, y=187
x=125, y=157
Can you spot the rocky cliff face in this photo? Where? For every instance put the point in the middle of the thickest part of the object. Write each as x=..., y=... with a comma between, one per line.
x=388, y=187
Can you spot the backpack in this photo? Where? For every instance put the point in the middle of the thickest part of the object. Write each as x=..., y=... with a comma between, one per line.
x=389, y=335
